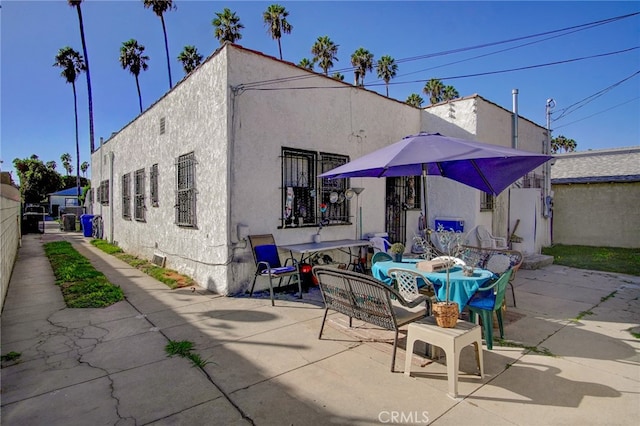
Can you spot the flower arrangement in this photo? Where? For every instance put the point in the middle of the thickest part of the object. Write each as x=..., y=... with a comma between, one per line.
x=397, y=248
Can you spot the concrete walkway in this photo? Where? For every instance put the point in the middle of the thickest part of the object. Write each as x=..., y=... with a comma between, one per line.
x=266, y=365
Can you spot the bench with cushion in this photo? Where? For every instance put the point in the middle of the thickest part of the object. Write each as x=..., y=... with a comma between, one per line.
x=367, y=299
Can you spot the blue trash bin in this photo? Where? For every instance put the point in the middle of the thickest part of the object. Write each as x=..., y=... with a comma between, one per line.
x=87, y=225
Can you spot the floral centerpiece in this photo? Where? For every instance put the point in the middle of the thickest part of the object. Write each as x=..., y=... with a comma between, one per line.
x=397, y=249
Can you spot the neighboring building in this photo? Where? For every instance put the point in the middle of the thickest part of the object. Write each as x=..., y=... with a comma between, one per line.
x=60, y=200
x=235, y=149
x=10, y=226
x=596, y=195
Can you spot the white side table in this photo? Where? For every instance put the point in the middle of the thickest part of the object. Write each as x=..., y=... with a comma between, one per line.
x=452, y=340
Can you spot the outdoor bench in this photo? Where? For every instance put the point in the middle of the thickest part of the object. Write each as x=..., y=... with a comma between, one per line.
x=365, y=298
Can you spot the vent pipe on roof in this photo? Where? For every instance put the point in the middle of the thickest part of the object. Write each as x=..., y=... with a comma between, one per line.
x=514, y=92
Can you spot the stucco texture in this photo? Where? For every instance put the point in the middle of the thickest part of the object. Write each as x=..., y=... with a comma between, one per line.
x=597, y=214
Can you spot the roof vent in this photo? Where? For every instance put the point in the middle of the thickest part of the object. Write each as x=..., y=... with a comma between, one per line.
x=162, y=125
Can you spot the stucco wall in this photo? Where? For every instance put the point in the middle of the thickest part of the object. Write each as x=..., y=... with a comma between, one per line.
x=9, y=235
x=597, y=214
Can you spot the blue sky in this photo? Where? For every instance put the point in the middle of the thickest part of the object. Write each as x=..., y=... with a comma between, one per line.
x=37, y=104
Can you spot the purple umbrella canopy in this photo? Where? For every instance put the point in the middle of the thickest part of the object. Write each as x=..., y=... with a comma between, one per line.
x=489, y=168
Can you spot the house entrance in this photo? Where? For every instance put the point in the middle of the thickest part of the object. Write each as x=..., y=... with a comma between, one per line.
x=402, y=194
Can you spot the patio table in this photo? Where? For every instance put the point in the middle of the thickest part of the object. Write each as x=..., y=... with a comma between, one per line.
x=307, y=250
x=461, y=287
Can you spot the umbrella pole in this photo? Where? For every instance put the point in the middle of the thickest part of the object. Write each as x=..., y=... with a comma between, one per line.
x=425, y=207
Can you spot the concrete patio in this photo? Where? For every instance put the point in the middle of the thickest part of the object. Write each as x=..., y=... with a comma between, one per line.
x=266, y=365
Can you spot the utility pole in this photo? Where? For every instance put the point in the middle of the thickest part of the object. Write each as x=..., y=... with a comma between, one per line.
x=546, y=199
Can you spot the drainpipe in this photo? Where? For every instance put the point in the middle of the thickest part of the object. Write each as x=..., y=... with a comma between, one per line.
x=111, y=191
x=514, y=92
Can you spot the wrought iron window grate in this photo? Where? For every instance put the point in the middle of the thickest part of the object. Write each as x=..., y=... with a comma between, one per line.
x=139, y=209
x=153, y=184
x=126, y=196
x=186, y=190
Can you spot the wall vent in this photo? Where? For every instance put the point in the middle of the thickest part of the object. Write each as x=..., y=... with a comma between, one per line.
x=163, y=125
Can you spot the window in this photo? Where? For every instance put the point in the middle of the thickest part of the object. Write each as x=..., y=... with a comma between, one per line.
x=305, y=199
x=486, y=201
x=126, y=196
x=139, y=209
x=103, y=193
x=186, y=190
x=154, y=186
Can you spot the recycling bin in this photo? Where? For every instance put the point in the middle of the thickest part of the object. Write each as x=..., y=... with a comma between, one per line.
x=87, y=224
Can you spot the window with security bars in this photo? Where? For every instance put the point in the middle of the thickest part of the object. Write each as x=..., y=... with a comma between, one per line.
x=186, y=190
x=103, y=193
x=153, y=184
x=139, y=207
x=487, y=201
x=126, y=196
x=305, y=199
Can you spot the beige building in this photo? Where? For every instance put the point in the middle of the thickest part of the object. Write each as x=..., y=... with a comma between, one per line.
x=596, y=198
x=235, y=148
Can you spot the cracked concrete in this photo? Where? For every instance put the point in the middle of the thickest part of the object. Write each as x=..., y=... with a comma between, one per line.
x=265, y=365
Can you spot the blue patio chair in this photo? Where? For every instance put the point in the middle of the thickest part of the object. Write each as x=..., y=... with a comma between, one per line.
x=485, y=302
x=265, y=254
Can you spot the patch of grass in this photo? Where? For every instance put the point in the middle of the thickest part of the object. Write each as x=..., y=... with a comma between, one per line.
x=634, y=334
x=582, y=315
x=169, y=277
x=607, y=259
x=11, y=356
x=541, y=351
x=184, y=348
x=82, y=285
x=106, y=247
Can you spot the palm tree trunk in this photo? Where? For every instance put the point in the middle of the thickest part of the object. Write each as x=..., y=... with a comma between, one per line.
x=86, y=61
x=75, y=110
x=387, y=87
x=139, y=94
x=280, y=49
x=166, y=49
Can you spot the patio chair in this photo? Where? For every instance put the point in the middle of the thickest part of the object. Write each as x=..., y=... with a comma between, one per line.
x=407, y=285
x=380, y=257
x=265, y=254
x=485, y=302
x=363, y=297
x=485, y=239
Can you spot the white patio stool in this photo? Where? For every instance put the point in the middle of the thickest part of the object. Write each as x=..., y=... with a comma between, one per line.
x=452, y=340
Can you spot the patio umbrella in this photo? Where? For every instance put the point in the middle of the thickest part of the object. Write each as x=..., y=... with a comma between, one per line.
x=489, y=168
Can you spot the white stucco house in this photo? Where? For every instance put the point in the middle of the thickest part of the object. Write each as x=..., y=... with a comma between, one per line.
x=235, y=149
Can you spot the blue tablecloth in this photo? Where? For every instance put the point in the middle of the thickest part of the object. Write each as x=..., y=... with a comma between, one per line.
x=461, y=287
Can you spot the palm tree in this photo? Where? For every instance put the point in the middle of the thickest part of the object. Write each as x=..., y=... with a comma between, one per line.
x=131, y=57
x=414, y=100
x=72, y=65
x=362, y=60
x=387, y=69
x=76, y=4
x=275, y=18
x=306, y=64
x=324, y=53
x=227, y=26
x=562, y=143
x=66, y=162
x=51, y=165
x=449, y=93
x=434, y=88
x=159, y=8
x=84, y=167
x=337, y=76
x=190, y=58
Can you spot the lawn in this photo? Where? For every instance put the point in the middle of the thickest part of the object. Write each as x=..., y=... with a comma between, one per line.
x=608, y=259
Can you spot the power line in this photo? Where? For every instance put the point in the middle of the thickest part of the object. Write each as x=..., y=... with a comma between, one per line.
x=448, y=52
x=568, y=110
x=597, y=113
